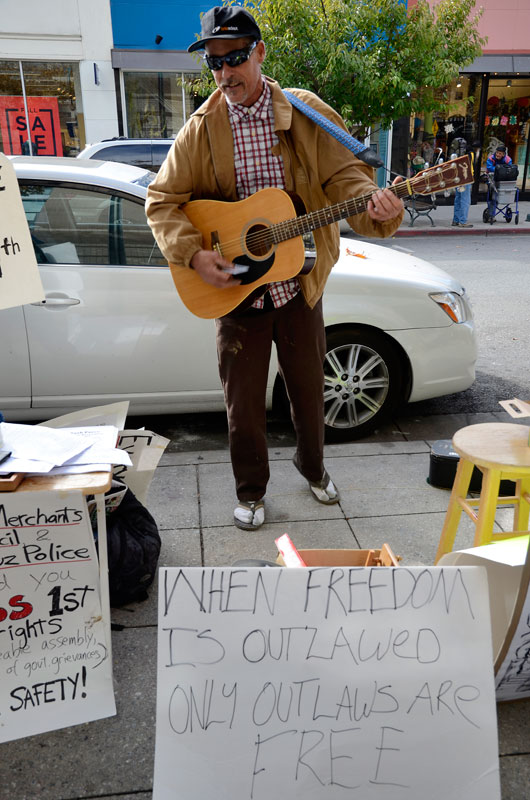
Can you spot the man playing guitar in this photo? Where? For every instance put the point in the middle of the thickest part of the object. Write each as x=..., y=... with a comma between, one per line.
x=244, y=138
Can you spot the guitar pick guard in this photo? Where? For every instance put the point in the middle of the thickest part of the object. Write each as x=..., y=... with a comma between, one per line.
x=256, y=269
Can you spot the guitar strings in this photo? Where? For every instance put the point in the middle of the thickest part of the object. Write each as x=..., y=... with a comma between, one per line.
x=266, y=237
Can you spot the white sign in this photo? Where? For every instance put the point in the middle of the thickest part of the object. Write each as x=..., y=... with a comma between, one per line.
x=20, y=281
x=324, y=683
x=54, y=664
x=513, y=675
x=145, y=449
x=507, y=564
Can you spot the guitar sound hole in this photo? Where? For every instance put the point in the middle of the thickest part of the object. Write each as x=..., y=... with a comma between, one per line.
x=258, y=240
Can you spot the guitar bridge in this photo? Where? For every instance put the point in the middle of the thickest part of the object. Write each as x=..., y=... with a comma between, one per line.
x=216, y=242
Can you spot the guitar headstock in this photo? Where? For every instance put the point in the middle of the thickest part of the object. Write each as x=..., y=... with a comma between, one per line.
x=456, y=172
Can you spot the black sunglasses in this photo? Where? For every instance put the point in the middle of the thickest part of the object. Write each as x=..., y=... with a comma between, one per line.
x=234, y=58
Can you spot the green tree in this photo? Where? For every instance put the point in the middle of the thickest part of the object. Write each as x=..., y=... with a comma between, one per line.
x=371, y=60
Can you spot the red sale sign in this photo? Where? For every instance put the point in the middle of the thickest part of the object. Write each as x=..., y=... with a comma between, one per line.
x=44, y=126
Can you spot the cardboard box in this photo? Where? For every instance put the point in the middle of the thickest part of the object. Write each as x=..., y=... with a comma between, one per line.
x=348, y=558
x=517, y=409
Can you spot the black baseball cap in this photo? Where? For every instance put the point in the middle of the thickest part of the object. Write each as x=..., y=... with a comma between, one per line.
x=501, y=148
x=226, y=22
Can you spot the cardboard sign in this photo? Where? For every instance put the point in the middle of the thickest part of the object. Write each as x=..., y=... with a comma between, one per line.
x=145, y=449
x=20, y=281
x=44, y=126
x=513, y=677
x=513, y=663
x=515, y=407
x=54, y=664
x=325, y=683
x=507, y=565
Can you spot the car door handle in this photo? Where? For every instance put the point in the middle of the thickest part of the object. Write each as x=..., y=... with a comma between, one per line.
x=51, y=300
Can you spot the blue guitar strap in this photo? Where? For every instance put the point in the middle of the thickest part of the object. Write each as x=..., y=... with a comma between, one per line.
x=363, y=152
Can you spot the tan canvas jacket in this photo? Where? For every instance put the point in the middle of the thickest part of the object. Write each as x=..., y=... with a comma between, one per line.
x=317, y=167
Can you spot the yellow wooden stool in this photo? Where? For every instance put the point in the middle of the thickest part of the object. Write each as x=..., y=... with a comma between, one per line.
x=502, y=452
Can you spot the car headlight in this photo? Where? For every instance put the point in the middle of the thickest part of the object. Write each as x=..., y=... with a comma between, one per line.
x=453, y=304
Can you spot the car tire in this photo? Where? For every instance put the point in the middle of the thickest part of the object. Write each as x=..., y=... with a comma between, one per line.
x=364, y=379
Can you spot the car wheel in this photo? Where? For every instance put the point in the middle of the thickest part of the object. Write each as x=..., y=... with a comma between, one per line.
x=363, y=382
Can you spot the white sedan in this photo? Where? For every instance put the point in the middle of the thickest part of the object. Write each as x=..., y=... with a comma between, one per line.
x=112, y=326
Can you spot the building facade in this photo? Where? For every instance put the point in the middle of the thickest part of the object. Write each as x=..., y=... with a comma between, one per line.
x=57, y=88
x=151, y=64
x=490, y=101
x=74, y=73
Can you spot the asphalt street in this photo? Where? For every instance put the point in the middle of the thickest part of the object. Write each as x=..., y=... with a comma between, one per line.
x=495, y=272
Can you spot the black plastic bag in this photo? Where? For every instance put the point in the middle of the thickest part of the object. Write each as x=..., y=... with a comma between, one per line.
x=506, y=172
x=133, y=546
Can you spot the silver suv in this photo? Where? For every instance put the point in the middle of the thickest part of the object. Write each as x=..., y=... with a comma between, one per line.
x=143, y=153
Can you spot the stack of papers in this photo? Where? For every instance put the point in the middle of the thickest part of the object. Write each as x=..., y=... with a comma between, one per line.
x=38, y=450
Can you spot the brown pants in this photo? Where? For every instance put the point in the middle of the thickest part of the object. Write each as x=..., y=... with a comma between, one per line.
x=244, y=342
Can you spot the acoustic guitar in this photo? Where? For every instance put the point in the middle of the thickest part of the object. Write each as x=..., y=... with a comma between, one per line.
x=262, y=235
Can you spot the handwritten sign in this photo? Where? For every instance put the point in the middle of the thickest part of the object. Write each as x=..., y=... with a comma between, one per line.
x=507, y=565
x=513, y=677
x=54, y=665
x=325, y=683
x=20, y=282
x=145, y=449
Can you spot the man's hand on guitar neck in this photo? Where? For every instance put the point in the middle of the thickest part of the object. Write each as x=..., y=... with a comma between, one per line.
x=384, y=204
x=214, y=269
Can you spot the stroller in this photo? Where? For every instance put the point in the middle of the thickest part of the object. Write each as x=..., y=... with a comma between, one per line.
x=502, y=191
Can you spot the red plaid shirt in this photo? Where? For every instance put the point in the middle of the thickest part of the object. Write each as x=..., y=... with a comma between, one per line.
x=257, y=168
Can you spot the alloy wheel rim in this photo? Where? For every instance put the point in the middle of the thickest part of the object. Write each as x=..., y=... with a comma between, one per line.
x=356, y=384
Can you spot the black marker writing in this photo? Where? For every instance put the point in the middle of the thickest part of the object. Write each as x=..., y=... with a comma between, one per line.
x=48, y=692
x=193, y=647
x=351, y=590
x=227, y=591
x=192, y=708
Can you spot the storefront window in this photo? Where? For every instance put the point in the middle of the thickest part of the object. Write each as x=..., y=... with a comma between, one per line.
x=430, y=136
x=507, y=121
x=156, y=104
x=40, y=108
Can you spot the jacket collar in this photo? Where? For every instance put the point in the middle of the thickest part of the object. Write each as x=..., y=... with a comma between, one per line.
x=215, y=114
x=283, y=110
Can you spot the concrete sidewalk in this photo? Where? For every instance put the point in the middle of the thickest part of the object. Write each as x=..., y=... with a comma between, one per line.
x=385, y=498
x=438, y=223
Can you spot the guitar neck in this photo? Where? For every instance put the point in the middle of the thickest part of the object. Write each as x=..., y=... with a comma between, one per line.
x=436, y=179
x=327, y=216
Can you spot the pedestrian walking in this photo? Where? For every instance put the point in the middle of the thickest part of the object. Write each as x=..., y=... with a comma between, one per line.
x=463, y=193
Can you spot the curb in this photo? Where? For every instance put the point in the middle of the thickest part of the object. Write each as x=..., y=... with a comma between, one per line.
x=490, y=230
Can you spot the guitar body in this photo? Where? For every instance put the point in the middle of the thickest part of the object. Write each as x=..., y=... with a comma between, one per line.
x=240, y=231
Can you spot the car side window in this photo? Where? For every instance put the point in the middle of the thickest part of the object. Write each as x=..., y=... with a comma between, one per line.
x=137, y=242
x=70, y=225
x=139, y=155
x=160, y=152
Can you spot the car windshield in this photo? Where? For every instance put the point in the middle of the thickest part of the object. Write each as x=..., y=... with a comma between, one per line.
x=145, y=179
